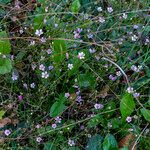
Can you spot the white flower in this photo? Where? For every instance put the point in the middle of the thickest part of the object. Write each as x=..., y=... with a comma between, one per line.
x=129, y=119
x=99, y=9
x=70, y=66
x=118, y=73
x=58, y=119
x=110, y=9
x=42, y=67
x=38, y=139
x=14, y=77
x=130, y=90
x=134, y=38
x=45, y=75
x=7, y=132
x=32, y=43
x=43, y=40
x=54, y=125
x=49, y=51
x=71, y=142
x=32, y=85
x=98, y=106
x=92, y=50
x=136, y=95
x=81, y=55
x=67, y=95
x=101, y=19
x=124, y=16
x=39, y=32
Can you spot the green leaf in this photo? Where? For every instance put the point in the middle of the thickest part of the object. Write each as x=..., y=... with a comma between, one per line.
x=59, y=50
x=2, y=112
x=49, y=146
x=127, y=105
x=75, y=6
x=146, y=114
x=86, y=80
x=73, y=148
x=57, y=108
x=110, y=143
x=94, y=143
x=5, y=46
x=5, y=66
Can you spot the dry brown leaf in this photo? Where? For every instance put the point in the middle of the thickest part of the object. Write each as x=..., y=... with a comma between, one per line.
x=127, y=141
x=104, y=92
x=4, y=121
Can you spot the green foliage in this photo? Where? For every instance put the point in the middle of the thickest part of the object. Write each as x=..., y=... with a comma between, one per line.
x=110, y=143
x=75, y=6
x=59, y=51
x=58, y=107
x=5, y=65
x=145, y=113
x=95, y=143
x=2, y=112
x=127, y=105
x=49, y=146
x=5, y=46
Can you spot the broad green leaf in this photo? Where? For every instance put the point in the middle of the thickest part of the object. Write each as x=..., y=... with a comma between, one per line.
x=86, y=80
x=2, y=112
x=57, y=108
x=94, y=143
x=146, y=114
x=110, y=143
x=49, y=146
x=59, y=50
x=5, y=46
x=127, y=105
x=75, y=6
x=5, y=66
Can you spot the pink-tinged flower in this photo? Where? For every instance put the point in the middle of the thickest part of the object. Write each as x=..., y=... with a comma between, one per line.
x=7, y=132
x=38, y=139
x=38, y=126
x=43, y=40
x=81, y=55
x=98, y=106
x=136, y=95
x=101, y=19
x=67, y=55
x=113, y=78
x=70, y=66
x=130, y=90
x=20, y=97
x=129, y=119
x=57, y=119
x=49, y=51
x=77, y=36
x=67, y=95
x=110, y=9
x=92, y=50
x=45, y=75
x=42, y=67
x=32, y=43
x=71, y=142
x=54, y=125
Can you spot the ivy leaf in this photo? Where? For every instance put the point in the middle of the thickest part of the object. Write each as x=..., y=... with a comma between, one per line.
x=146, y=114
x=75, y=6
x=94, y=143
x=5, y=66
x=127, y=105
x=110, y=143
x=57, y=108
x=2, y=112
x=5, y=46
